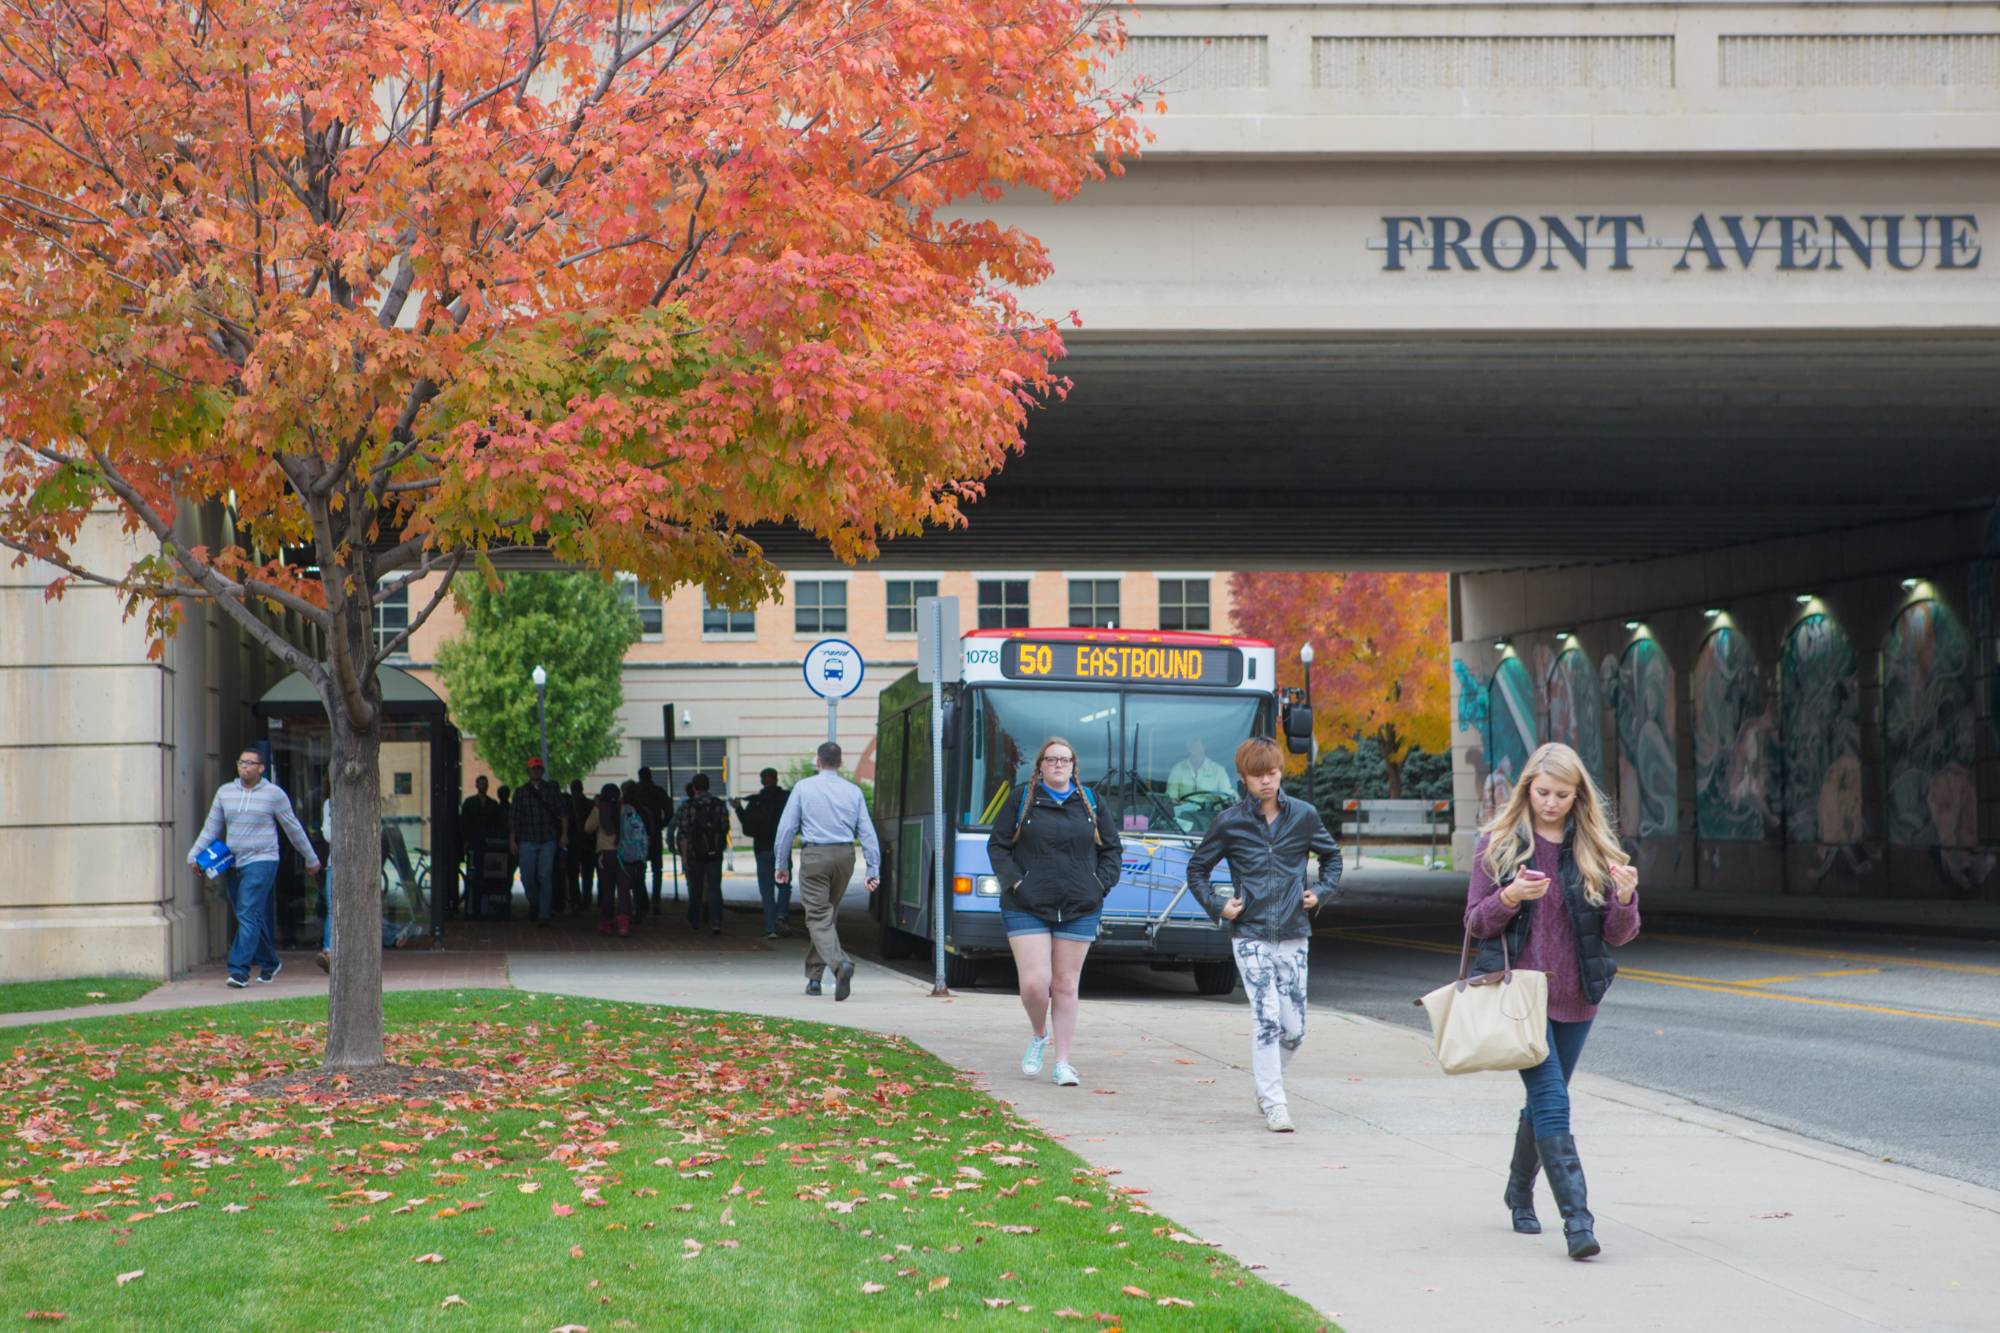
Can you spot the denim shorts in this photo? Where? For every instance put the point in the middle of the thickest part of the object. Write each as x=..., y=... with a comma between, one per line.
x=1027, y=923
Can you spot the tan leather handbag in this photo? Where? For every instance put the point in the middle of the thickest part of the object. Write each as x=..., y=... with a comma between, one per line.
x=1499, y=1020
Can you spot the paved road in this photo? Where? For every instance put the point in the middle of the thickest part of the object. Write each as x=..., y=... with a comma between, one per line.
x=1887, y=1045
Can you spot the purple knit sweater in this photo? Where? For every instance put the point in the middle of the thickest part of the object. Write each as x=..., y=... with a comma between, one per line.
x=1551, y=943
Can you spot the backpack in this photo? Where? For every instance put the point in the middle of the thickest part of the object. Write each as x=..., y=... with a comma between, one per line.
x=708, y=828
x=632, y=835
x=1028, y=801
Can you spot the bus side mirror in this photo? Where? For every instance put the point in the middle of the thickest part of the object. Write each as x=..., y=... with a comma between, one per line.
x=1299, y=729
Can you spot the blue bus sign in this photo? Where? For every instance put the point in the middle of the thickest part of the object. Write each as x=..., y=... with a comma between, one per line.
x=834, y=669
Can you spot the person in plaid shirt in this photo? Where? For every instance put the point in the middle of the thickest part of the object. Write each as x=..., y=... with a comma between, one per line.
x=539, y=826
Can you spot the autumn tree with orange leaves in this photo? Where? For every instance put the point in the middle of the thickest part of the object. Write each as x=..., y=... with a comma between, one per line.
x=1381, y=654
x=413, y=284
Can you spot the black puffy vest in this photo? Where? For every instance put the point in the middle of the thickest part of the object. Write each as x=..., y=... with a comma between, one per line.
x=1594, y=961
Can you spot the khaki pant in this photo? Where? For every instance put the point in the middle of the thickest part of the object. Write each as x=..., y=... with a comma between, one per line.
x=823, y=876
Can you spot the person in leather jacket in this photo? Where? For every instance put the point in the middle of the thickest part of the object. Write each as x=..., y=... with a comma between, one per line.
x=1267, y=837
x=1056, y=852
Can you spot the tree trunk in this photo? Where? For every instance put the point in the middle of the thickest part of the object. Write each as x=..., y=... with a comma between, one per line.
x=354, y=997
x=1391, y=748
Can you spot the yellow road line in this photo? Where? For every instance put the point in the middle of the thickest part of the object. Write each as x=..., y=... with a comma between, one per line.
x=1830, y=1004
x=1837, y=955
x=1760, y=981
x=1715, y=985
x=1851, y=972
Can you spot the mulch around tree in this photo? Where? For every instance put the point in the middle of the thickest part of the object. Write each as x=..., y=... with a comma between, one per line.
x=401, y=1081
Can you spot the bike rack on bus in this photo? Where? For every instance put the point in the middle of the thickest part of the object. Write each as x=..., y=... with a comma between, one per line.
x=1153, y=928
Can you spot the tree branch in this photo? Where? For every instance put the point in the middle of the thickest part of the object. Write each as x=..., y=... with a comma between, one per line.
x=395, y=645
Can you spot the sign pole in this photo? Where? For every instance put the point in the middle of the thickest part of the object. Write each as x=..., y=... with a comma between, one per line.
x=937, y=647
x=833, y=718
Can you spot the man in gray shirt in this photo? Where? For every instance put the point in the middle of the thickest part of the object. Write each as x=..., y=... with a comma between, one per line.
x=827, y=813
x=245, y=816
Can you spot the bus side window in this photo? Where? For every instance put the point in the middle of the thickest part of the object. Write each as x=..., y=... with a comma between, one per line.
x=889, y=769
x=917, y=763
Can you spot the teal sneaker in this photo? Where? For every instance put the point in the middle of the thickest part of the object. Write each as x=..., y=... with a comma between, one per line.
x=1065, y=1075
x=1031, y=1059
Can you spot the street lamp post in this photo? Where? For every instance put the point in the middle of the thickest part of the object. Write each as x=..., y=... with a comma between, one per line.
x=1312, y=750
x=541, y=679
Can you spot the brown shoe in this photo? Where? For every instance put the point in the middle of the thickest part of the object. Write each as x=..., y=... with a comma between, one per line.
x=325, y=963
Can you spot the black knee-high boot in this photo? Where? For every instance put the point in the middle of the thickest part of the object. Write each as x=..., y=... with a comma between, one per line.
x=1520, y=1195
x=1565, y=1173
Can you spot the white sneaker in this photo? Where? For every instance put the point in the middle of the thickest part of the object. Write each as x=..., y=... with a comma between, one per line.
x=1065, y=1075
x=1278, y=1119
x=1031, y=1059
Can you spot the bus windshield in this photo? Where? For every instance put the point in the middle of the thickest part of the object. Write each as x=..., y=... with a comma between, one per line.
x=1161, y=763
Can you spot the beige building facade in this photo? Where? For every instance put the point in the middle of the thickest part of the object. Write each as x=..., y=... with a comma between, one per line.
x=736, y=682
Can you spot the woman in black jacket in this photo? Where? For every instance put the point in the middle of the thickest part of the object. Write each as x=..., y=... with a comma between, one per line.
x=1056, y=853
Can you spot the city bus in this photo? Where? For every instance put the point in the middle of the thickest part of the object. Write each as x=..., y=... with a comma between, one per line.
x=1155, y=718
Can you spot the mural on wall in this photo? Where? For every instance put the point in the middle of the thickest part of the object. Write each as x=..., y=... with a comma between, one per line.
x=1735, y=743
x=1472, y=718
x=1510, y=732
x=1819, y=690
x=1985, y=588
x=1641, y=686
x=1576, y=712
x=1927, y=733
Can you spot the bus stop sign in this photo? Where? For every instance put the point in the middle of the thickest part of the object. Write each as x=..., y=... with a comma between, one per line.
x=833, y=669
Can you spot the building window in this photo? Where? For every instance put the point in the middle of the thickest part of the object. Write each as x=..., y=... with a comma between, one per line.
x=903, y=595
x=692, y=755
x=647, y=603
x=1184, y=604
x=721, y=620
x=392, y=617
x=1003, y=603
x=819, y=606
x=1093, y=603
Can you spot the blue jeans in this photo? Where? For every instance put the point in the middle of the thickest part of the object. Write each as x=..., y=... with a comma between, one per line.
x=1548, y=1082
x=392, y=933
x=250, y=895
x=538, y=877
x=777, y=897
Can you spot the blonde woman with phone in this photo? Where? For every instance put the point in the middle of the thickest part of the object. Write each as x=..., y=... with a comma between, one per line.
x=1550, y=880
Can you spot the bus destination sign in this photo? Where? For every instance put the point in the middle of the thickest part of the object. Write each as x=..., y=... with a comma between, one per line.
x=1124, y=663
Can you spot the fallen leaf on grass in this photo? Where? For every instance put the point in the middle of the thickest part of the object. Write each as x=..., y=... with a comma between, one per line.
x=1175, y=1301
x=235, y=1207
x=939, y=1283
x=576, y=1251
x=50, y=1316
x=997, y=1302
x=560, y=1210
x=529, y=1186
x=428, y=1259
x=132, y=1276
x=451, y=1300
x=1140, y=1292
x=567, y=1328
x=871, y=1288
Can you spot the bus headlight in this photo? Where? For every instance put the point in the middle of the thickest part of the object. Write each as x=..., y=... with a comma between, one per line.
x=989, y=887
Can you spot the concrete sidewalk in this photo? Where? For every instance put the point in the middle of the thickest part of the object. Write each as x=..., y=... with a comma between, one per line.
x=1384, y=1210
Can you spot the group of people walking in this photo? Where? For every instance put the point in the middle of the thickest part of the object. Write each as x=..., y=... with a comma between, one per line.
x=1550, y=886
x=1551, y=889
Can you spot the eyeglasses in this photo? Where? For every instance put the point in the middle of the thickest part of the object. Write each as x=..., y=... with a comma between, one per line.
x=1058, y=758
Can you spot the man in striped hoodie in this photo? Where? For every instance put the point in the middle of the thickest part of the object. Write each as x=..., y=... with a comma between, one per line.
x=246, y=816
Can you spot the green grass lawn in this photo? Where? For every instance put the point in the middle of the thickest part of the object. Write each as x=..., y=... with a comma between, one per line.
x=628, y=1167
x=26, y=997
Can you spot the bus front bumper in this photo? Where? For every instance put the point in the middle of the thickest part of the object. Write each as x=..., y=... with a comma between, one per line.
x=1181, y=940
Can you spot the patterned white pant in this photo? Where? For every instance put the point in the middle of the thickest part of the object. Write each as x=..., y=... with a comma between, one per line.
x=1274, y=977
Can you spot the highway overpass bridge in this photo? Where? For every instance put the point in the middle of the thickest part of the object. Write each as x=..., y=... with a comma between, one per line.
x=1667, y=328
